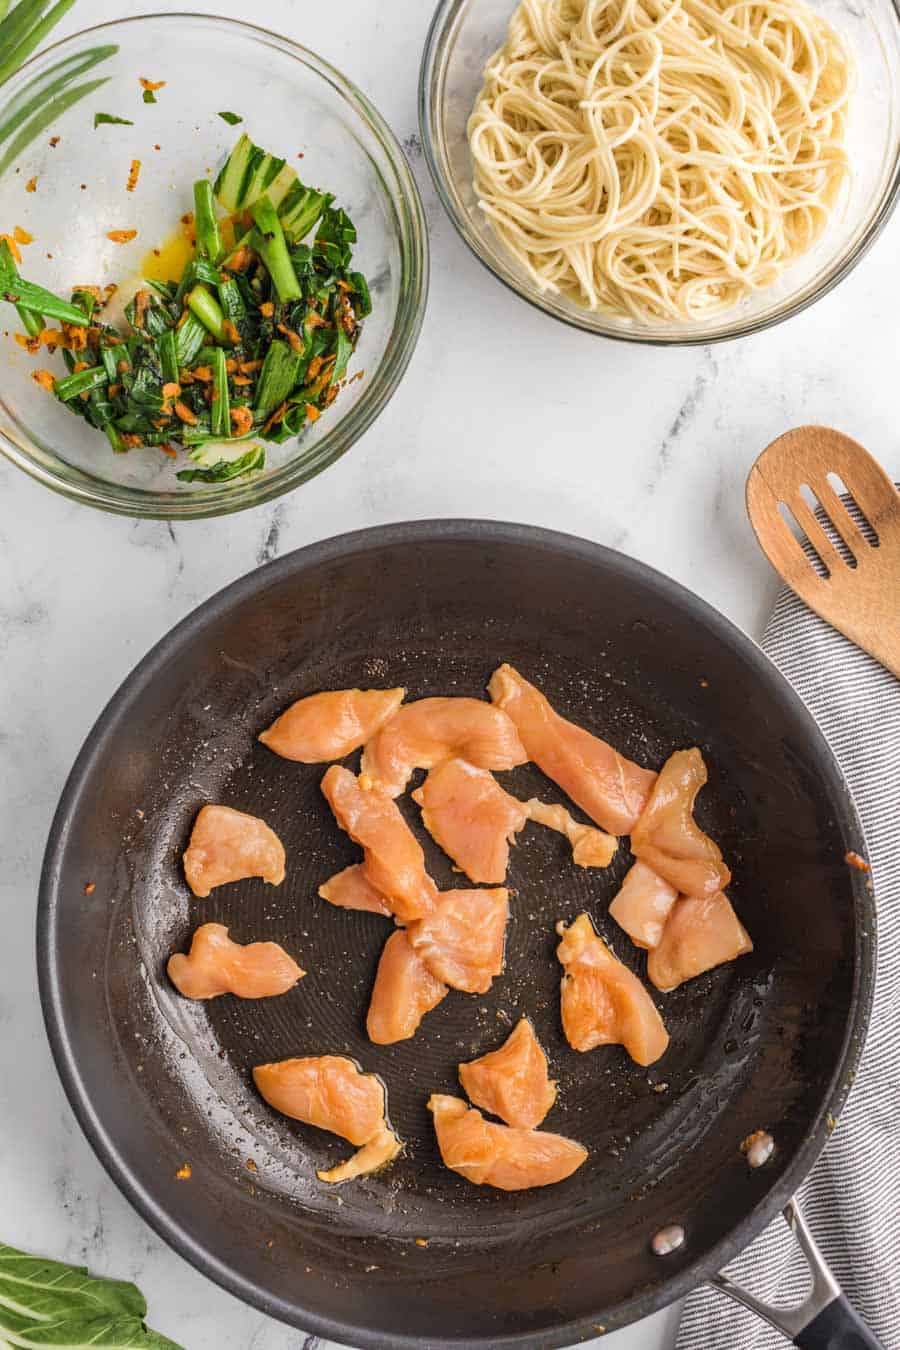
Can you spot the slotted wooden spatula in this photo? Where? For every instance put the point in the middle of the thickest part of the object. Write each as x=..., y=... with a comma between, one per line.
x=856, y=585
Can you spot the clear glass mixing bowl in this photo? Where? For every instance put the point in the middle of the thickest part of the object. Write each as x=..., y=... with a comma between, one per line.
x=465, y=33
x=293, y=103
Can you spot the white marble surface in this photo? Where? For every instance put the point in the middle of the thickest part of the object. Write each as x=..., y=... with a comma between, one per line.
x=646, y=450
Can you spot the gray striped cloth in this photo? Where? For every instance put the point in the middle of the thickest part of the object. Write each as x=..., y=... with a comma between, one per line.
x=852, y=1199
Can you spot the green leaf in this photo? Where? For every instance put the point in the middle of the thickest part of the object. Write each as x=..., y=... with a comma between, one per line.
x=25, y=295
x=19, y=23
x=82, y=1333
x=343, y=351
x=44, y=119
x=277, y=378
x=46, y=85
x=224, y=469
x=28, y=1279
x=20, y=54
x=231, y=118
x=149, y=96
x=100, y=118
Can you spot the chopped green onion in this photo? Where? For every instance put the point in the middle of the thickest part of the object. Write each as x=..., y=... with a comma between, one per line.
x=231, y=118
x=102, y=118
x=31, y=321
x=189, y=338
x=50, y=114
x=115, y=438
x=232, y=301
x=82, y=382
x=208, y=311
x=21, y=32
x=25, y=295
x=269, y=241
x=209, y=240
x=168, y=356
x=108, y=357
x=219, y=411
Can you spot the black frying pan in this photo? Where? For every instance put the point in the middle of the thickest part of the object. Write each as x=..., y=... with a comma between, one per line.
x=769, y=1042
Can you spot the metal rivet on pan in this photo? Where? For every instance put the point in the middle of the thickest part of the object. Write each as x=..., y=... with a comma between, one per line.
x=668, y=1240
x=758, y=1148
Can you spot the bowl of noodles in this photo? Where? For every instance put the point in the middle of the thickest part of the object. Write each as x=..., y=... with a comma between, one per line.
x=665, y=171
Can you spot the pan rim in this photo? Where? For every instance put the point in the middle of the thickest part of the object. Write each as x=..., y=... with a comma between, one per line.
x=108, y=1151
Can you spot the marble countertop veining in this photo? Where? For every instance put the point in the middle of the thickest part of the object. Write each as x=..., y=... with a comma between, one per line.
x=640, y=448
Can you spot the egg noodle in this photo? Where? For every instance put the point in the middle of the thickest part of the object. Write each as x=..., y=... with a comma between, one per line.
x=662, y=159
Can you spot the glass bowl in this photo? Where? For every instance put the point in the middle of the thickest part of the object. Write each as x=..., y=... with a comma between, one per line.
x=292, y=103
x=465, y=33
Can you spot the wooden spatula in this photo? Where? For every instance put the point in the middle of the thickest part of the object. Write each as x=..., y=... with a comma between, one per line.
x=855, y=588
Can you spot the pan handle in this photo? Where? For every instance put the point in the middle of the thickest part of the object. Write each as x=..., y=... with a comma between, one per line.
x=824, y=1320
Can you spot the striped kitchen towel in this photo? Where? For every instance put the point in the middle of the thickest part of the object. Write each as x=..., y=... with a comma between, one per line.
x=852, y=1199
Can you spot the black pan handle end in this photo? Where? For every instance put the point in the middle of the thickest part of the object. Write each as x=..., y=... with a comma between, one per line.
x=837, y=1327
x=824, y=1320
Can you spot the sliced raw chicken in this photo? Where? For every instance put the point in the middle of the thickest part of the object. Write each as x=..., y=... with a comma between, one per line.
x=643, y=904
x=473, y=819
x=499, y=1155
x=467, y=812
x=216, y=965
x=381, y=1149
x=227, y=845
x=590, y=847
x=461, y=941
x=404, y=991
x=602, y=1001
x=332, y=725
x=668, y=839
x=699, y=934
x=330, y=1092
x=424, y=733
x=351, y=889
x=394, y=864
x=512, y=1082
x=608, y=787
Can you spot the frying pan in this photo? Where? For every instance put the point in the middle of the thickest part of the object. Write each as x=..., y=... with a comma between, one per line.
x=416, y=1256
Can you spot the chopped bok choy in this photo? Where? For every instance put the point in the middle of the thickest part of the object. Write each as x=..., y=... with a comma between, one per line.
x=249, y=345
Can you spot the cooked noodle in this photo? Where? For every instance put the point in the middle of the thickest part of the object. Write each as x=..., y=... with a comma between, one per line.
x=662, y=159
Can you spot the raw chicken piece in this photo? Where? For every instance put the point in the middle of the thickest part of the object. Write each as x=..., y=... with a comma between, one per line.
x=461, y=941
x=668, y=839
x=602, y=1001
x=474, y=820
x=330, y=1092
x=608, y=787
x=350, y=889
x=643, y=905
x=332, y=725
x=467, y=812
x=499, y=1155
x=424, y=733
x=699, y=934
x=216, y=965
x=381, y=1149
x=226, y=845
x=512, y=1082
x=404, y=991
x=394, y=864
x=590, y=847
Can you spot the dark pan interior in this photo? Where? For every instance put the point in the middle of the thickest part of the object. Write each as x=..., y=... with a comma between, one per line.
x=417, y=1255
